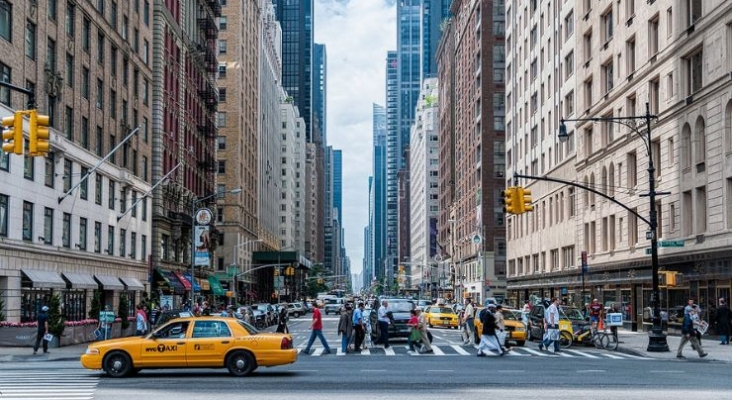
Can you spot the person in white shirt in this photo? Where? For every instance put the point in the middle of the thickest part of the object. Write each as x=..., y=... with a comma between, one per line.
x=469, y=321
x=551, y=327
x=384, y=322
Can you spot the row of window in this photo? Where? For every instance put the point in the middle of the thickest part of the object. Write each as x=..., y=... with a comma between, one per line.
x=47, y=236
x=557, y=260
x=68, y=178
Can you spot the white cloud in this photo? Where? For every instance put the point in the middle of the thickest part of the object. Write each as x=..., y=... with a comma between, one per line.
x=357, y=35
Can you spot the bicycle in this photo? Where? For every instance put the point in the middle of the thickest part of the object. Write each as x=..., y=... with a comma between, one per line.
x=602, y=339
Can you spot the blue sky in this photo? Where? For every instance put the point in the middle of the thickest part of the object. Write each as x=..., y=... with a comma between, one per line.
x=357, y=35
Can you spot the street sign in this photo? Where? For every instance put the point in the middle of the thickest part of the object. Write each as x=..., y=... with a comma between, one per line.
x=671, y=243
x=477, y=239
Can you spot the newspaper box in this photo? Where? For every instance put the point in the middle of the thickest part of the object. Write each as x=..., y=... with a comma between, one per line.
x=614, y=319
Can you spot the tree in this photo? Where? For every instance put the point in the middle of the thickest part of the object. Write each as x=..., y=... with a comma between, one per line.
x=95, y=305
x=124, y=307
x=56, y=320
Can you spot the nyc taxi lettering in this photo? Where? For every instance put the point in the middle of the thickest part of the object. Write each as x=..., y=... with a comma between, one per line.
x=161, y=348
x=203, y=347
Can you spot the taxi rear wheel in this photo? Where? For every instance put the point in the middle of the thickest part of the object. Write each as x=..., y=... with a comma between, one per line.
x=240, y=363
x=118, y=364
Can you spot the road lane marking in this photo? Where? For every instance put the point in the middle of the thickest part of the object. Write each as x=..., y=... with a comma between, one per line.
x=365, y=352
x=438, y=351
x=317, y=352
x=666, y=372
x=373, y=370
x=458, y=349
x=389, y=351
x=579, y=353
x=536, y=352
x=612, y=356
x=589, y=371
x=440, y=370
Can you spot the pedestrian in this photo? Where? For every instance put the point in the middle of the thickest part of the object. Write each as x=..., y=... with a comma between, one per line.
x=415, y=335
x=469, y=321
x=141, y=321
x=614, y=310
x=501, y=328
x=723, y=318
x=527, y=307
x=316, y=330
x=105, y=325
x=346, y=326
x=42, y=331
x=206, y=309
x=154, y=315
x=551, y=327
x=423, y=329
x=384, y=322
x=688, y=334
x=282, y=320
x=358, y=328
x=488, y=339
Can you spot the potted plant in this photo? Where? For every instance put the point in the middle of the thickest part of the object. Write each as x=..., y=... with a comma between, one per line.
x=56, y=320
x=95, y=307
x=124, y=307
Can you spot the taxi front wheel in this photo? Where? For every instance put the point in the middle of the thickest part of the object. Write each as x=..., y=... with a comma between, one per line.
x=118, y=364
x=240, y=363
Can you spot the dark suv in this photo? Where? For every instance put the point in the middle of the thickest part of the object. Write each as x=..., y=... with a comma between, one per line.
x=400, y=312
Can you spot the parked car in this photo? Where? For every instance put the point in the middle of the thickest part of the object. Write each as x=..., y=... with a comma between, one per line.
x=334, y=306
x=295, y=310
x=307, y=306
x=269, y=312
x=216, y=342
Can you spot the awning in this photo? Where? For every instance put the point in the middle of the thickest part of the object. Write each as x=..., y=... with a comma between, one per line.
x=80, y=281
x=183, y=280
x=109, y=282
x=132, y=283
x=204, y=284
x=196, y=286
x=174, y=283
x=44, y=279
x=216, y=287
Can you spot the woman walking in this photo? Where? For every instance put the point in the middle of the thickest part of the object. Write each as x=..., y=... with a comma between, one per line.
x=282, y=320
x=415, y=336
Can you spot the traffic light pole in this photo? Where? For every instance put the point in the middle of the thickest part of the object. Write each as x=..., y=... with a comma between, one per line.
x=30, y=93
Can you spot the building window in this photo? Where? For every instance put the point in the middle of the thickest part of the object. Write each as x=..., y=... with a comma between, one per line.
x=48, y=225
x=27, y=221
x=165, y=247
x=99, y=142
x=222, y=46
x=653, y=36
x=5, y=76
x=632, y=162
x=50, y=170
x=134, y=205
x=222, y=70
x=69, y=128
x=630, y=54
x=700, y=213
x=4, y=161
x=68, y=171
x=568, y=25
x=221, y=142
x=84, y=140
x=693, y=65
x=222, y=166
x=66, y=231
x=110, y=240
x=569, y=65
x=3, y=215
x=222, y=23
x=222, y=95
x=85, y=83
x=133, y=245
x=695, y=10
x=145, y=51
x=607, y=25
x=82, y=234
x=588, y=93
x=144, y=208
x=110, y=195
x=143, y=247
x=100, y=49
x=98, y=189
x=607, y=72
x=654, y=95
x=86, y=35
x=632, y=228
x=608, y=130
x=6, y=20
x=700, y=141
x=97, y=237
x=69, y=70
x=588, y=46
x=100, y=94
x=28, y=165
x=122, y=242
x=30, y=40
x=221, y=119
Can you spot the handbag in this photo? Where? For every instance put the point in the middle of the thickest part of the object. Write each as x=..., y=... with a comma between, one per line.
x=553, y=334
x=48, y=337
x=415, y=336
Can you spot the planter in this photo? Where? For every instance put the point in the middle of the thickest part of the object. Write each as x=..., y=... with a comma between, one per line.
x=18, y=337
x=54, y=343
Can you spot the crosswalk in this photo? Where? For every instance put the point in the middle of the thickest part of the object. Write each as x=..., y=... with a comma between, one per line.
x=39, y=384
x=454, y=350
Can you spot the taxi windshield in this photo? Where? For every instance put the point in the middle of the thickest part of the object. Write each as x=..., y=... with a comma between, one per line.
x=509, y=315
x=441, y=310
x=572, y=314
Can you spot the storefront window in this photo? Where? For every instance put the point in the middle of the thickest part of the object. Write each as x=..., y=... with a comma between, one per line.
x=31, y=302
x=74, y=305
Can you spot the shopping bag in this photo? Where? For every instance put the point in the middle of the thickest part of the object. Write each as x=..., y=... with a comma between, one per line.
x=415, y=336
x=48, y=337
x=553, y=334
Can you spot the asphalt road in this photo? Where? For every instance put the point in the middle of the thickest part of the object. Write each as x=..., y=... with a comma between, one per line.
x=381, y=376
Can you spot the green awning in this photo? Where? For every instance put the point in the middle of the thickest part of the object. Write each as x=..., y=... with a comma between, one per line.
x=216, y=286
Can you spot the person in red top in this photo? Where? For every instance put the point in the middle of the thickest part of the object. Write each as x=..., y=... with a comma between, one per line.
x=595, y=312
x=316, y=328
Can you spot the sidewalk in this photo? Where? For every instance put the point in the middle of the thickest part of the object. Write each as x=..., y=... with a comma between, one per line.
x=636, y=343
x=25, y=354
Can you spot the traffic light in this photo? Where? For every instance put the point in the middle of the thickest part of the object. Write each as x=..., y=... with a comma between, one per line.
x=39, y=134
x=524, y=200
x=510, y=201
x=668, y=278
x=13, y=133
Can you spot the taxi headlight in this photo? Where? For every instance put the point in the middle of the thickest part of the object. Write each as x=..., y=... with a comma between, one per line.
x=91, y=351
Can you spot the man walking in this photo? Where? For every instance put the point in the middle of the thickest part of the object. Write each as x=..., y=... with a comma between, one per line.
x=488, y=339
x=42, y=330
x=722, y=318
x=423, y=329
x=688, y=334
x=358, y=327
x=140, y=321
x=317, y=331
x=384, y=322
x=469, y=321
x=551, y=327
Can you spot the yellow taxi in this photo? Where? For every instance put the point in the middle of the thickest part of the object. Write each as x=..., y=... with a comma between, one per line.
x=441, y=315
x=193, y=342
x=515, y=329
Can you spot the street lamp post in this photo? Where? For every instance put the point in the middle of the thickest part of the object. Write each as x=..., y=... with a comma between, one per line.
x=194, y=203
x=656, y=338
x=236, y=263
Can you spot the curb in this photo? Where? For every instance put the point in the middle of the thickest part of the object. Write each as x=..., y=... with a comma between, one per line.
x=632, y=352
x=35, y=359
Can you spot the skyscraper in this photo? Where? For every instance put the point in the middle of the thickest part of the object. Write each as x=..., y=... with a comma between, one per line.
x=338, y=183
x=377, y=201
x=296, y=19
x=320, y=82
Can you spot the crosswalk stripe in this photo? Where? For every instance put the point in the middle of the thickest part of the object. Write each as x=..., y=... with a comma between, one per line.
x=365, y=352
x=340, y=352
x=535, y=352
x=438, y=351
x=613, y=356
x=317, y=352
x=458, y=349
x=580, y=353
x=389, y=351
x=56, y=385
